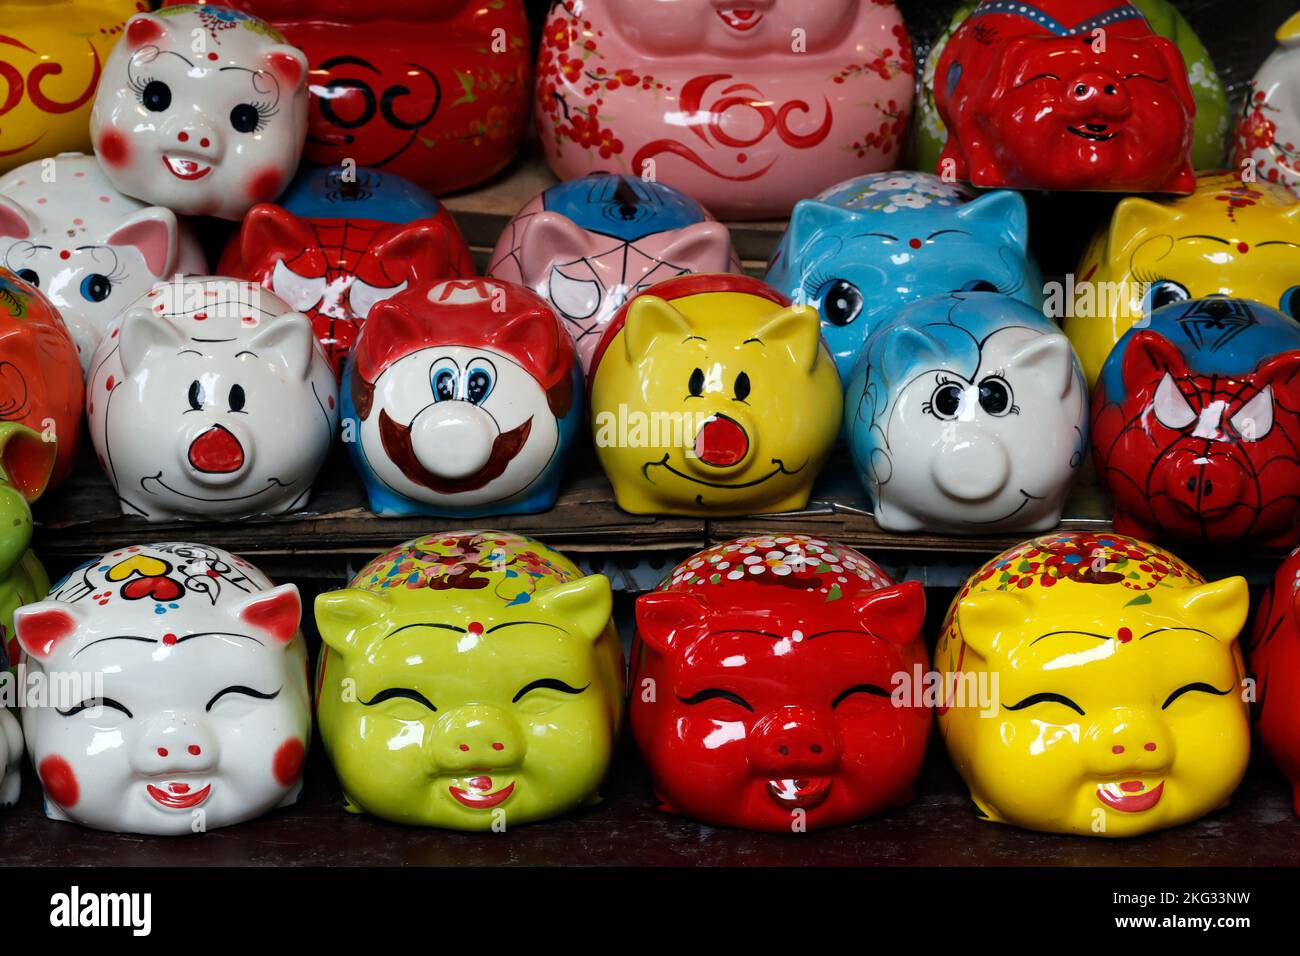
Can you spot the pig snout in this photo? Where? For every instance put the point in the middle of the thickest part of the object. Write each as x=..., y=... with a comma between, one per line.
x=1198, y=485
x=1127, y=740
x=453, y=439
x=793, y=740
x=722, y=442
x=1096, y=94
x=972, y=468
x=174, y=743
x=218, y=454
x=474, y=737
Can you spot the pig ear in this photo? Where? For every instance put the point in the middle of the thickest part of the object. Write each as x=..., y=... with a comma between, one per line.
x=668, y=621
x=1002, y=209
x=277, y=612
x=145, y=29
x=155, y=234
x=417, y=243
x=289, y=339
x=538, y=342
x=14, y=220
x=1220, y=607
x=271, y=227
x=1176, y=67
x=550, y=237
x=650, y=318
x=703, y=246
x=1134, y=217
x=1279, y=371
x=41, y=626
x=287, y=64
x=907, y=349
x=26, y=460
x=798, y=330
x=1148, y=357
x=810, y=221
x=894, y=613
x=1048, y=358
x=343, y=616
x=142, y=332
x=984, y=616
x=583, y=607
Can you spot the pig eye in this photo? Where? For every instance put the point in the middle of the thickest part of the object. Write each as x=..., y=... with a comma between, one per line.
x=478, y=384
x=237, y=398
x=445, y=379
x=696, y=383
x=156, y=96
x=1046, y=698
x=302, y=293
x=841, y=302
x=242, y=691
x=980, y=285
x=575, y=298
x=196, y=396
x=30, y=277
x=1166, y=292
x=872, y=689
x=399, y=693
x=717, y=693
x=995, y=396
x=1290, y=302
x=95, y=287
x=92, y=702
x=1199, y=686
x=946, y=402
x=742, y=386
x=363, y=297
x=246, y=118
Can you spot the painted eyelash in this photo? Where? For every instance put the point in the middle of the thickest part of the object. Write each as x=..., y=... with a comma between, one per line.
x=813, y=283
x=137, y=85
x=265, y=111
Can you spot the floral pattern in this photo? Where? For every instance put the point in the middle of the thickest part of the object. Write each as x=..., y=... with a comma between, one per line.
x=896, y=191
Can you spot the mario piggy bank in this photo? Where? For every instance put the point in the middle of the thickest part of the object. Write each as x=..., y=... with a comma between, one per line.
x=588, y=245
x=1092, y=686
x=785, y=97
x=867, y=246
x=968, y=414
x=1195, y=422
x=1227, y=238
x=712, y=394
x=765, y=685
x=464, y=399
x=188, y=703
x=337, y=245
x=211, y=398
x=1065, y=94
x=1274, y=656
x=470, y=680
x=1268, y=127
x=202, y=109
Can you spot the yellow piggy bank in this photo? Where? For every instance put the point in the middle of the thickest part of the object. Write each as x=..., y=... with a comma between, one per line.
x=713, y=395
x=1092, y=684
x=1228, y=238
x=51, y=54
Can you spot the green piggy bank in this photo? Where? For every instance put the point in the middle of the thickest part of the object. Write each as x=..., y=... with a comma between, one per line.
x=470, y=680
x=26, y=461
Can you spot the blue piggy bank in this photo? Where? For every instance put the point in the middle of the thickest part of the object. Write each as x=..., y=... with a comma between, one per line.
x=871, y=244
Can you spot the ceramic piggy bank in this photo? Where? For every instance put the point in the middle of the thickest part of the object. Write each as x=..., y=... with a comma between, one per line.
x=784, y=97
x=470, y=680
x=1227, y=238
x=193, y=712
x=869, y=245
x=968, y=414
x=202, y=110
x=40, y=376
x=1092, y=686
x=335, y=246
x=1034, y=97
x=465, y=399
x=52, y=58
x=712, y=394
x=1268, y=127
x=211, y=398
x=1196, y=422
x=764, y=683
x=1274, y=657
x=91, y=250
x=588, y=245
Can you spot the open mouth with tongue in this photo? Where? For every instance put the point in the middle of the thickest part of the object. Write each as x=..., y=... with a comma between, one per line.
x=187, y=169
x=801, y=793
x=740, y=18
x=477, y=793
x=177, y=795
x=1130, y=796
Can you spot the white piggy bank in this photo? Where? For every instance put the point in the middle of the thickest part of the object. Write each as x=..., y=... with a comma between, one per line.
x=1268, y=124
x=967, y=414
x=90, y=249
x=211, y=398
x=185, y=678
x=202, y=110
x=11, y=759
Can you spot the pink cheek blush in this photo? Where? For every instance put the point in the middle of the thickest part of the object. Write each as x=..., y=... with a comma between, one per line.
x=59, y=781
x=266, y=185
x=112, y=148
x=287, y=763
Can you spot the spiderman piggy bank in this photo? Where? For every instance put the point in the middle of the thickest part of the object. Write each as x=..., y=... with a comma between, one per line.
x=1274, y=657
x=462, y=400
x=1196, y=420
x=336, y=245
x=1065, y=94
x=767, y=685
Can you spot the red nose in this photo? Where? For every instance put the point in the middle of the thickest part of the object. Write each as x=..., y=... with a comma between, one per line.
x=217, y=451
x=721, y=442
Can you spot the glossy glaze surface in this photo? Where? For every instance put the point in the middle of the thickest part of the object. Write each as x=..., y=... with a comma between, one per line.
x=761, y=682
x=464, y=399
x=1092, y=687
x=1195, y=422
x=204, y=713
x=1268, y=124
x=713, y=395
x=1273, y=651
x=790, y=96
x=211, y=398
x=470, y=680
x=967, y=414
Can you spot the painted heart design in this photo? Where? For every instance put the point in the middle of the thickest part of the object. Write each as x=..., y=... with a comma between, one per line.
x=141, y=564
x=160, y=589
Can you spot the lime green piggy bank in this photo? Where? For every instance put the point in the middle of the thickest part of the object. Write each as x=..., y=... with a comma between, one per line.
x=470, y=680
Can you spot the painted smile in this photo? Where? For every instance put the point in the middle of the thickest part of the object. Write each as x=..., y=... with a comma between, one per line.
x=1096, y=132
x=178, y=796
x=799, y=792
x=479, y=795
x=272, y=484
x=741, y=20
x=1131, y=796
x=780, y=469
x=1026, y=497
x=187, y=169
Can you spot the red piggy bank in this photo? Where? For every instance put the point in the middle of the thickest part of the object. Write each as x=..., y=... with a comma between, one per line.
x=762, y=678
x=1274, y=649
x=1196, y=425
x=1065, y=94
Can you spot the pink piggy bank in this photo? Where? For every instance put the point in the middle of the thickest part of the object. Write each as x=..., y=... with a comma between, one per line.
x=747, y=106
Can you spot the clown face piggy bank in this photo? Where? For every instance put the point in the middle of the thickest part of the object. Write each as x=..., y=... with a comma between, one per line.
x=711, y=394
x=774, y=663
x=1033, y=97
x=1196, y=422
x=785, y=97
x=335, y=246
x=1092, y=686
x=91, y=250
x=869, y=245
x=469, y=680
x=465, y=399
x=968, y=414
x=193, y=711
x=201, y=109
x=40, y=377
x=211, y=398
x=1274, y=655
x=1227, y=238
x=1268, y=128
x=588, y=245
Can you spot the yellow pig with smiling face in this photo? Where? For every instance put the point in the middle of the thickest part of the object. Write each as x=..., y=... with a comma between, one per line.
x=1093, y=686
